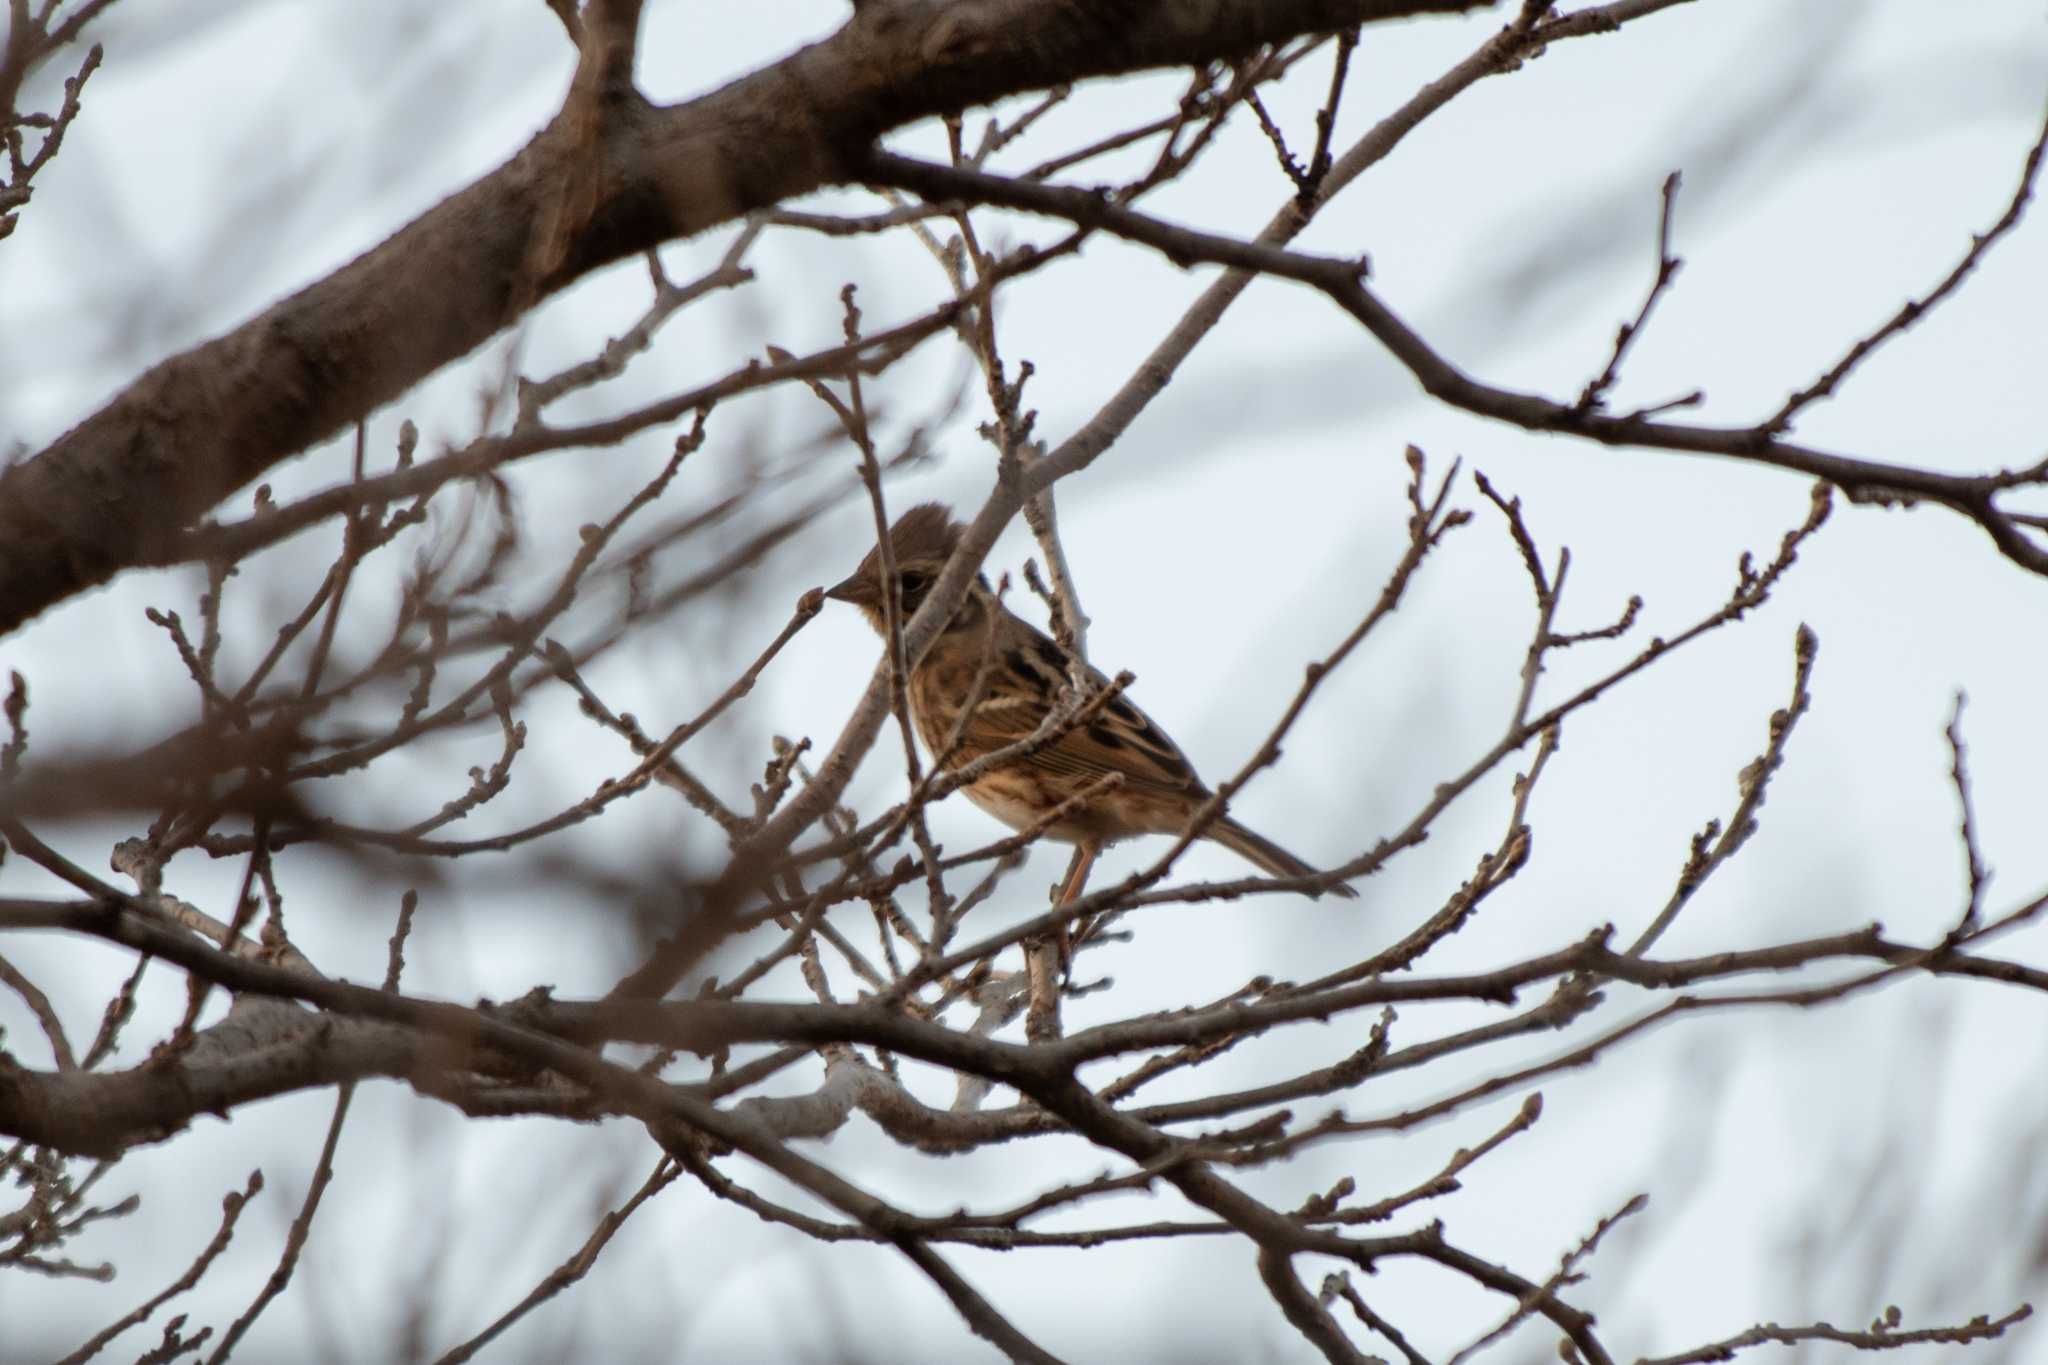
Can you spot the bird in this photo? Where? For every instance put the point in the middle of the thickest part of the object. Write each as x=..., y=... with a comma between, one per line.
x=1122, y=773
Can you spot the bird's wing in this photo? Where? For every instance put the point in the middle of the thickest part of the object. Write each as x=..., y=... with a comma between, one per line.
x=1026, y=681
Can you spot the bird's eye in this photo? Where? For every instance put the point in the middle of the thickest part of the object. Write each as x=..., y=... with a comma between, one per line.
x=915, y=581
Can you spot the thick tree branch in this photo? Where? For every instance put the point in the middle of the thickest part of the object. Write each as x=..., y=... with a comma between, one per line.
x=610, y=177
x=279, y=1049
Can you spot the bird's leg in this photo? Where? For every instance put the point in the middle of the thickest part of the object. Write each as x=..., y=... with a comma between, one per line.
x=1046, y=974
x=1070, y=891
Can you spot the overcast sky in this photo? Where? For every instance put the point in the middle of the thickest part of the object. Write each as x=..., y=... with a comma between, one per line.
x=1836, y=155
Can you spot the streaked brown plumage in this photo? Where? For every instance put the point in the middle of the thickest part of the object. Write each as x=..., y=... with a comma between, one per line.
x=1026, y=673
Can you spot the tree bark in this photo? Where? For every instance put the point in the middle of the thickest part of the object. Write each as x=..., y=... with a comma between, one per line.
x=609, y=177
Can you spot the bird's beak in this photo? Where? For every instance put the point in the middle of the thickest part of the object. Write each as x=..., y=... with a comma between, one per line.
x=849, y=590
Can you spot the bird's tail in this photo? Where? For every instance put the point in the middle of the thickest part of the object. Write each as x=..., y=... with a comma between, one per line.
x=1269, y=856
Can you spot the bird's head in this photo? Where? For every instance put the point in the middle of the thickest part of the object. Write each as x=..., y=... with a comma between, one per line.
x=921, y=542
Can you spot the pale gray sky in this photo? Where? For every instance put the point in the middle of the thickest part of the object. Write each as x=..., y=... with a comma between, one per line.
x=1837, y=155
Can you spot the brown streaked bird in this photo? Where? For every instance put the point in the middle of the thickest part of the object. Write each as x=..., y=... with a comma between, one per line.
x=1027, y=671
